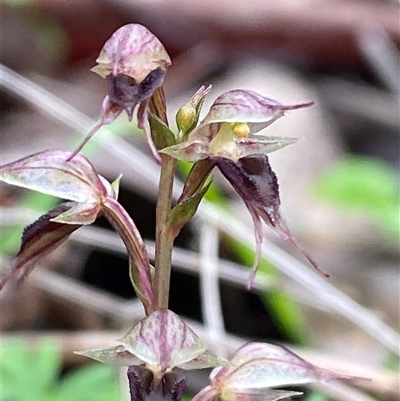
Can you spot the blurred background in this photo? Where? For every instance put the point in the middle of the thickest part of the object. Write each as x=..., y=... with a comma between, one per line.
x=339, y=187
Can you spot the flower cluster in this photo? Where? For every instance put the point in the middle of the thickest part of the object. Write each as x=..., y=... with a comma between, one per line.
x=134, y=63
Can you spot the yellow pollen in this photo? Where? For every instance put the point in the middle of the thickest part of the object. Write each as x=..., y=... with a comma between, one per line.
x=241, y=130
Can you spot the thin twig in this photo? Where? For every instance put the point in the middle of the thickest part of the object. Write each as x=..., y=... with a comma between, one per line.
x=80, y=294
x=320, y=287
x=209, y=285
x=382, y=55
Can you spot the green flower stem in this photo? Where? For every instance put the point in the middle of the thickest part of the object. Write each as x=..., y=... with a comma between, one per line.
x=164, y=241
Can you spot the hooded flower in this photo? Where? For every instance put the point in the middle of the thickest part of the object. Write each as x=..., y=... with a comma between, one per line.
x=156, y=345
x=229, y=138
x=230, y=129
x=257, y=369
x=88, y=196
x=134, y=63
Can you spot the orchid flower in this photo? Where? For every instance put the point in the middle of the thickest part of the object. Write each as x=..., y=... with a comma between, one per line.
x=134, y=63
x=88, y=195
x=154, y=347
x=228, y=138
x=257, y=371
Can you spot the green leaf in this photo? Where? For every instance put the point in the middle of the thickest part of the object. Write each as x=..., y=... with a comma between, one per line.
x=314, y=396
x=184, y=211
x=162, y=136
x=93, y=382
x=36, y=367
x=359, y=183
x=366, y=185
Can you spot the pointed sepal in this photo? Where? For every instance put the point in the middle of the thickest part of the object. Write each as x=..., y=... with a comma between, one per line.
x=161, y=341
x=118, y=356
x=38, y=240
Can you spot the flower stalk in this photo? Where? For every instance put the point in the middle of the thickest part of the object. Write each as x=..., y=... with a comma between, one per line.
x=164, y=241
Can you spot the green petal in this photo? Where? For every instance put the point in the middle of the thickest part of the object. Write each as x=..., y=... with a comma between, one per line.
x=118, y=355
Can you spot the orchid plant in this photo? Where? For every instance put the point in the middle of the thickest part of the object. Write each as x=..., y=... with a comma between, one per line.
x=134, y=64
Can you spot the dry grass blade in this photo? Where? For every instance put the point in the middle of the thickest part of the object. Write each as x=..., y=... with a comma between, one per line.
x=209, y=284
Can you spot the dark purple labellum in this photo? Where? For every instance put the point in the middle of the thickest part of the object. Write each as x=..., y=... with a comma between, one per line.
x=39, y=239
x=125, y=92
x=43, y=224
x=143, y=387
x=253, y=179
x=140, y=382
x=173, y=386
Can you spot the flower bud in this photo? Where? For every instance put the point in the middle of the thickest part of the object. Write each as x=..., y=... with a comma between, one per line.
x=188, y=115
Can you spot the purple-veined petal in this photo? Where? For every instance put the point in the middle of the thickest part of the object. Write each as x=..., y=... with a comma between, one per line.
x=132, y=50
x=164, y=340
x=263, y=365
x=38, y=240
x=238, y=106
x=50, y=173
x=247, y=106
x=117, y=355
